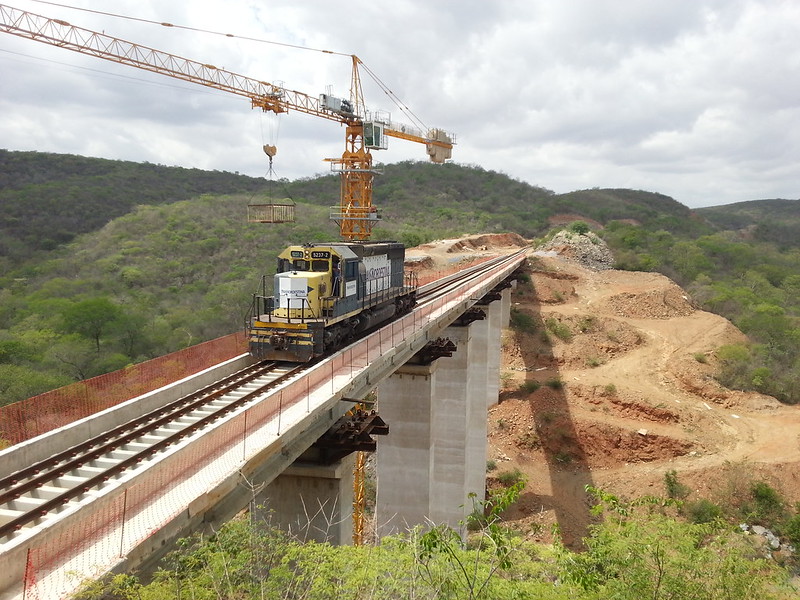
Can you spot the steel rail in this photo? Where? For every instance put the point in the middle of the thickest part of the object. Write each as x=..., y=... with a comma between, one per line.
x=119, y=435
x=432, y=290
x=200, y=398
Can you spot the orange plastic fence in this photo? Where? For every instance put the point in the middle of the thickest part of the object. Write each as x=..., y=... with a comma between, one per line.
x=95, y=539
x=37, y=415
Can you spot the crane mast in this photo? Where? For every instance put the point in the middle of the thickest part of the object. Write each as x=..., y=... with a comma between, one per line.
x=356, y=215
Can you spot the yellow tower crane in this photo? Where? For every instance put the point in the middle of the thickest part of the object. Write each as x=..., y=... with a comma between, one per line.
x=355, y=214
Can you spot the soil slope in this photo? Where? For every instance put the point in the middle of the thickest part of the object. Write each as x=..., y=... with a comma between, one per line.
x=611, y=385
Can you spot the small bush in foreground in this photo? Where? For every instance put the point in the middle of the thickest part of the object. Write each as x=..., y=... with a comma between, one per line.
x=558, y=329
x=522, y=321
x=509, y=478
x=530, y=386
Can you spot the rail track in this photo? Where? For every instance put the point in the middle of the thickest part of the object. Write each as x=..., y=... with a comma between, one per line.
x=41, y=491
x=432, y=291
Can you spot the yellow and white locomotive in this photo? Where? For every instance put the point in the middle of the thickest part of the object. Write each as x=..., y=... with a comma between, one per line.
x=327, y=294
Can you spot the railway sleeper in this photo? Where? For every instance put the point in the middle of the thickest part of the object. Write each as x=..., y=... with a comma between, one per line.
x=153, y=437
x=188, y=419
x=122, y=453
x=7, y=515
x=134, y=447
x=46, y=492
x=105, y=462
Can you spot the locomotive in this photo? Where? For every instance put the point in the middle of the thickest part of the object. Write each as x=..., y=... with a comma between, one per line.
x=325, y=295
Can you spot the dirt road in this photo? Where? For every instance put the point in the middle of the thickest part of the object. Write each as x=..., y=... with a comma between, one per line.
x=612, y=386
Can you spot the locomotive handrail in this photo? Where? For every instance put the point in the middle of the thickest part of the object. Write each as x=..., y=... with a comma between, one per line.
x=302, y=310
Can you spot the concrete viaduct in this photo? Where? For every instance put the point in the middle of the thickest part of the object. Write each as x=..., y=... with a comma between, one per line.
x=436, y=371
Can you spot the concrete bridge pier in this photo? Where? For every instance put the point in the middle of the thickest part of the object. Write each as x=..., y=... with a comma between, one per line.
x=451, y=422
x=435, y=454
x=498, y=314
x=311, y=501
x=405, y=456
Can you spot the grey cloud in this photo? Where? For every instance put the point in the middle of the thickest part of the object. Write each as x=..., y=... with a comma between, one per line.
x=695, y=99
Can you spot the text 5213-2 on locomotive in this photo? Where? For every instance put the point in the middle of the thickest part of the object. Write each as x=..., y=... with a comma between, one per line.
x=327, y=294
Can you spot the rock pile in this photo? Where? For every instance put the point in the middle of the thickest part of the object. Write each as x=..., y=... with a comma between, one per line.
x=585, y=249
x=772, y=540
x=667, y=302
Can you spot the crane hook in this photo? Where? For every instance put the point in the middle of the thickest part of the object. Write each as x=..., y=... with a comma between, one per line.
x=270, y=151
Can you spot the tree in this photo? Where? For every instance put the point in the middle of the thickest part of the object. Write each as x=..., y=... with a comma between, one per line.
x=14, y=352
x=472, y=576
x=579, y=227
x=72, y=355
x=91, y=318
x=18, y=383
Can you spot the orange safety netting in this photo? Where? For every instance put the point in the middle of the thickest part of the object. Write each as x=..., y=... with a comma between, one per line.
x=37, y=415
x=125, y=518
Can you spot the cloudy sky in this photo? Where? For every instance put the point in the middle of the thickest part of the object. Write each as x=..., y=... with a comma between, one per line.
x=696, y=99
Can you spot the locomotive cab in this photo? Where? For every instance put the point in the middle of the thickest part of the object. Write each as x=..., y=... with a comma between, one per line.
x=310, y=282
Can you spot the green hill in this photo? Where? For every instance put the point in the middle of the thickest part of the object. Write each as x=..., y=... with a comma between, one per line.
x=48, y=199
x=169, y=265
x=776, y=221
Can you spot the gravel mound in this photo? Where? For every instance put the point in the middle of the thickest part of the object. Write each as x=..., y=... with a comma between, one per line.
x=585, y=249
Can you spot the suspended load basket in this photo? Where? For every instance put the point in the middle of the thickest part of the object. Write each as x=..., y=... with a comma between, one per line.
x=271, y=211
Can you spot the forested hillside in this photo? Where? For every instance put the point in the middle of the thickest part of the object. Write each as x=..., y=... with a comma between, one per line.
x=48, y=199
x=776, y=221
x=156, y=262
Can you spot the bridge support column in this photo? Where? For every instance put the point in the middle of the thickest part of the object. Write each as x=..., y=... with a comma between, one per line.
x=460, y=444
x=312, y=502
x=405, y=456
x=452, y=396
x=498, y=314
x=435, y=453
x=477, y=443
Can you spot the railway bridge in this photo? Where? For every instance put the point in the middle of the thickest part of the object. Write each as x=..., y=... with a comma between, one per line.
x=114, y=490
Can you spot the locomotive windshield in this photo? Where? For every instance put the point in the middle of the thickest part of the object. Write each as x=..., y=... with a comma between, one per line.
x=301, y=264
